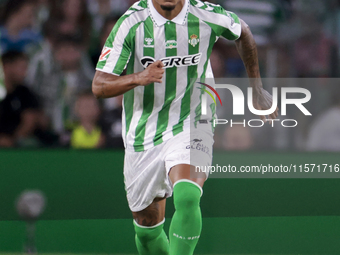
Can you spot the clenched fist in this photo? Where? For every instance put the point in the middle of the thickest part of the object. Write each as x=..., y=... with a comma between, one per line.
x=153, y=73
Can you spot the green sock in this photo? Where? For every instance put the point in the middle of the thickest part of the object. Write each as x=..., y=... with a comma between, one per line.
x=186, y=224
x=151, y=240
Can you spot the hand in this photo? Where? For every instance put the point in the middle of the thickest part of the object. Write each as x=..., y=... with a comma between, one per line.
x=153, y=73
x=262, y=100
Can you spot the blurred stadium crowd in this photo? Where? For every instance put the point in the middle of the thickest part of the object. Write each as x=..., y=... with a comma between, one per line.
x=49, y=49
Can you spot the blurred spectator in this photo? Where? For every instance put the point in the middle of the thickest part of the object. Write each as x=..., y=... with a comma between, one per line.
x=42, y=64
x=66, y=79
x=109, y=23
x=310, y=50
x=325, y=131
x=72, y=18
x=313, y=54
x=42, y=61
x=102, y=9
x=19, y=110
x=262, y=16
x=87, y=135
x=112, y=124
x=2, y=83
x=43, y=13
x=237, y=138
x=17, y=33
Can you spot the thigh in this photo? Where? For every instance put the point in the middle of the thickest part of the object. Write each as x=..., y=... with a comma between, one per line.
x=189, y=153
x=146, y=178
x=152, y=215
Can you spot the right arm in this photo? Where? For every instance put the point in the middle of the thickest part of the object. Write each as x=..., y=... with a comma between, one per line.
x=107, y=85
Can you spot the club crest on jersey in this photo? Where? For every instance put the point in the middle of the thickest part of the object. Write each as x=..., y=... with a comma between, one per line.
x=148, y=43
x=194, y=40
x=105, y=54
x=171, y=44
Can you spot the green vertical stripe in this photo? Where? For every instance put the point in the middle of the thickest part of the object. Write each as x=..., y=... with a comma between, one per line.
x=170, y=84
x=112, y=36
x=193, y=29
x=148, y=98
x=109, y=41
x=213, y=111
x=198, y=110
x=126, y=51
x=129, y=96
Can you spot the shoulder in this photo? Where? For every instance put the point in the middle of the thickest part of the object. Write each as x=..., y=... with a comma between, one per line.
x=207, y=7
x=136, y=13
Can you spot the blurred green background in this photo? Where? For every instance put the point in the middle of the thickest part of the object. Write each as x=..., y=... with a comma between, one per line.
x=87, y=210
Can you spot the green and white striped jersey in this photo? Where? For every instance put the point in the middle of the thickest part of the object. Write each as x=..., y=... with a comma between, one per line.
x=153, y=114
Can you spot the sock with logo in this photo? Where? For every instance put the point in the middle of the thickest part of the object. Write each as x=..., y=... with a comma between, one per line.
x=151, y=240
x=186, y=224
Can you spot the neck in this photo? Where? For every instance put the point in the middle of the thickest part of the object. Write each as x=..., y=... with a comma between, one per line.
x=169, y=14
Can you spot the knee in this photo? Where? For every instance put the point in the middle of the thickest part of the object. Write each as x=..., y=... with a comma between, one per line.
x=146, y=234
x=186, y=195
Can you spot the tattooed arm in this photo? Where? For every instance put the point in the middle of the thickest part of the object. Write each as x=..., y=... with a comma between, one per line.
x=246, y=47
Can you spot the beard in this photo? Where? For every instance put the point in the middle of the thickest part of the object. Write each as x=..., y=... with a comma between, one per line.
x=168, y=8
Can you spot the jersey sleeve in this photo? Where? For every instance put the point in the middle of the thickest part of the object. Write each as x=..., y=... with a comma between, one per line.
x=224, y=23
x=117, y=50
x=232, y=27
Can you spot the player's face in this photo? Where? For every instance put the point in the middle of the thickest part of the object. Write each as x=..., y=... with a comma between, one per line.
x=168, y=5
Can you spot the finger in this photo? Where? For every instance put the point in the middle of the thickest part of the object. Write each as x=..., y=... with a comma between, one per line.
x=158, y=81
x=263, y=118
x=159, y=71
x=158, y=75
x=159, y=64
x=272, y=116
x=276, y=113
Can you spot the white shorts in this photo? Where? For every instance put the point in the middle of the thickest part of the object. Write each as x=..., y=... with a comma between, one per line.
x=146, y=173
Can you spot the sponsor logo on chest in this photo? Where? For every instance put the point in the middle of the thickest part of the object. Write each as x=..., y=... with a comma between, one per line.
x=175, y=61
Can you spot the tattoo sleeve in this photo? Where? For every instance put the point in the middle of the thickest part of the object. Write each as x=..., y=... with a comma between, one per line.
x=246, y=47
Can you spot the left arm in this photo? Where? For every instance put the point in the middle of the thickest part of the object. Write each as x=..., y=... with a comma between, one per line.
x=246, y=47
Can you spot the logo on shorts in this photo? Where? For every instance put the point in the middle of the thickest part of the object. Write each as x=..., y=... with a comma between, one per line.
x=194, y=40
x=196, y=144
